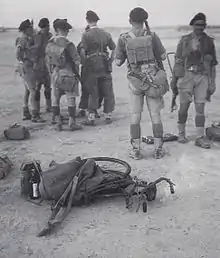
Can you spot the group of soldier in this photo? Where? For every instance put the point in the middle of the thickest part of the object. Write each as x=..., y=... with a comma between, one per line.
x=55, y=62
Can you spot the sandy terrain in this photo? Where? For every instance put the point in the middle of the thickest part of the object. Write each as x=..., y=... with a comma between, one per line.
x=184, y=225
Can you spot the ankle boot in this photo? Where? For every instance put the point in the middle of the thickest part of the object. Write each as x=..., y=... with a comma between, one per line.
x=182, y=133
x=73, y=126
x=135, y=152
x=158, y=145
x=26, y=113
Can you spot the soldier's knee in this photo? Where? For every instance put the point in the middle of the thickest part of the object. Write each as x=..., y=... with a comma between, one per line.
x=155, y=117
x=200, y=108
x=136, y=118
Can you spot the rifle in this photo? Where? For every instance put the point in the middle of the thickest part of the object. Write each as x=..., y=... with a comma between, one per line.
x=173, y=83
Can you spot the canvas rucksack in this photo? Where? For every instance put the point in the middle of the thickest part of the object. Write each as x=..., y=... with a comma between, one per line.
x=145, y=75
x=56, y=52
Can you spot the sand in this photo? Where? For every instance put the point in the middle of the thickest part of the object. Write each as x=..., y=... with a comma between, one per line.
x=184, y=225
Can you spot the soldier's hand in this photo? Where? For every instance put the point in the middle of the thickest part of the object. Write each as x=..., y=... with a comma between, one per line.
x=212, y=88
x=118, y=62
x=173, y=85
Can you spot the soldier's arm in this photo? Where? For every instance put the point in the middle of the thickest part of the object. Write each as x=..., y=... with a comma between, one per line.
x=120, y=52
x=74, y=55
x=83, y=48
x=214, y=62
x=159, y=48
x=20, y=49
x=112, y=47
x=179, y=66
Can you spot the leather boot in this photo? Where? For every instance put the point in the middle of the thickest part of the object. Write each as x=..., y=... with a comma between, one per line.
x=26, y=113
x=90, y=121
x=135, y=133
x=159, y=152
x=56, y=115
x=73, y=126
x=202, y=141
x=36, y=118
x=182, y=133
x=135, y=152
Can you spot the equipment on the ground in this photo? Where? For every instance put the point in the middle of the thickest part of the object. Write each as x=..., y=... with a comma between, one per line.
x=5, y=166
x=82, y=181
x=213, y=132
x=17, y=132
x=168, y=137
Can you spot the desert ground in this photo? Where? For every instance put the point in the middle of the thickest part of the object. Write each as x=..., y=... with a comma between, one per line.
x=183, y=225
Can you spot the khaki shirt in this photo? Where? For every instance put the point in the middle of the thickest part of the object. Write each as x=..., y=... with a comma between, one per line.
x=95, y=40
x=192, y=51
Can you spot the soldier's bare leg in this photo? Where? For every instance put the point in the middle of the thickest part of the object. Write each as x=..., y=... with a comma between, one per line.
x=182, y=118
x=71, y=100
x=136, y=104
x=26, y=111
x=201, y=140
x=154, y=108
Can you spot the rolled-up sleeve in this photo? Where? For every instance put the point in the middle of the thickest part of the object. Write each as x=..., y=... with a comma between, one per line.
x=121, y=50
x=159, y=48
x=111, y=43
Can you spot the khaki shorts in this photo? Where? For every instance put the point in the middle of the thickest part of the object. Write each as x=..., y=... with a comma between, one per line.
x=193, y=85
x=137, y=103
x=29, y=78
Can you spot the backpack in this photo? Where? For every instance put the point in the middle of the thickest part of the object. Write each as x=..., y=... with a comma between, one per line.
x=56, y=53
x=17, y=132
x=145, y=75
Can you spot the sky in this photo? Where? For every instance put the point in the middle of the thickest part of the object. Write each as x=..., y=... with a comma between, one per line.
x=111, y=12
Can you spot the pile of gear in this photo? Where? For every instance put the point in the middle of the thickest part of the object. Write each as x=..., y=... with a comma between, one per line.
x=81, y=181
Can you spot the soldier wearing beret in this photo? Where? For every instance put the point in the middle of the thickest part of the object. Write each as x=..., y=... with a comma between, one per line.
x=43, y=77
x=97, y=63
x=64, y=60
x=194, y=69
x=26, y=55
x=147, y=79
x=84, y=99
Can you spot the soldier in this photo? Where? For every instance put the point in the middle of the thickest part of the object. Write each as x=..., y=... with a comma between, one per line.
x=43, y=75
x=64, y=61
x=144, y=53
x=26, y=56
x=97, y=67
x=195, y=70
x=84, y=99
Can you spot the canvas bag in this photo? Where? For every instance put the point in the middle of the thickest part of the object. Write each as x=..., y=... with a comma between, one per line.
x=145, y=75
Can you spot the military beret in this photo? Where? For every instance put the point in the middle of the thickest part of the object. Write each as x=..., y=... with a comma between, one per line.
x=92, y=16
x=44, y=22
x=25, y=25
x=62, y=24
x=138, y=15
x=198, y=17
